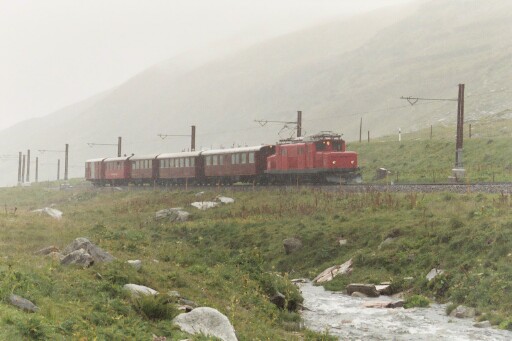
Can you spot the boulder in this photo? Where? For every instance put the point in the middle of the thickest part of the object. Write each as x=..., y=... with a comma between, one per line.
x=137, y=264
x=329, y=273
x=52, y=212
x=463, y=312
x=342, y=242
x=207, y=321
x=434, y=273
x=225, y=200
x=291, y=245
x=23, y=303
x=204, y=205
x=57, y=256
x=384, y=289
x=172, y=214
x=367, y=289
x=137, y=290
x=97, y=254
x=78, y=257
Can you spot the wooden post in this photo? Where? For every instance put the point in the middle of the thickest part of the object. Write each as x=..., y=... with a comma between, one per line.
x=368, y=136
x=360, y=130
x=19, y=168
x=58, y=169
x=431, y=132
x=37, y=169
x=299, y=123
x=23, y=170
x=470, y=130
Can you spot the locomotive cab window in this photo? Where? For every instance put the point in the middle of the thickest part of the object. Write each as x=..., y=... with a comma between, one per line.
x=337, y=146
x=320, y=145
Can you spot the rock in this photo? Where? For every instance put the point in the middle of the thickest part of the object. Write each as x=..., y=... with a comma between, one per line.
x=96, y=252
x=384, y=304
x=137, y=290
x=52, y=212
x=279, y=300
x=204, y=205
x=159, y=338
x=78, y=257
x=185, y=308
x=358, y=294
x=463, y=312
x=367, y=289
x=384, y=289
x=173, y=293
x=172, y=214
x=47, y=250
x=342, y=242
x=433, y=273
x=386, y=242
x=291, y=245
x=23, y=303
x=299, y=280
x=483, y=324
x=207, y=321
x=225, y=200
x=329, y=273
x=187, y=302
x=137, y=264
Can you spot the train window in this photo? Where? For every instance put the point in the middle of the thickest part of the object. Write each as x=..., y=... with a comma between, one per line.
x=244, y=157
x=187, y=162
x=336, y=145
x=215, y=160
x=221, y=160
x=251, y=157
x=192, y=162
x=233, y=159
x=182, y=162
x=208, y=161
x=320, y=145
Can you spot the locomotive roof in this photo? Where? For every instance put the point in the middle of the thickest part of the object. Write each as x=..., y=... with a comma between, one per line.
x=234, y=150
x=175, y=155
x=144, y=157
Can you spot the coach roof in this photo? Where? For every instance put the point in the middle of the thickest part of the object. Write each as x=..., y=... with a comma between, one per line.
x=234, y=150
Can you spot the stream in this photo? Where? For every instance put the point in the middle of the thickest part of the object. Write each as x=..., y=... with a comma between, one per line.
x=345, y=317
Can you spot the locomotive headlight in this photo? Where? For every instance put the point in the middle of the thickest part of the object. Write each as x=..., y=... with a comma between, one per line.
x=334, y=162
x=352, y=162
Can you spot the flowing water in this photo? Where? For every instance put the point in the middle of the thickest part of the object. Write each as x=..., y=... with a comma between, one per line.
x=345, y=317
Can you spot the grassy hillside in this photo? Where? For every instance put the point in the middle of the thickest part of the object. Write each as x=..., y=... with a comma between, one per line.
x=232, y=257
x=418, y=158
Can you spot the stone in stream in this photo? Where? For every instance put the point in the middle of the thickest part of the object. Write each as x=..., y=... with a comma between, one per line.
x=23, y=303
x=463, y=312
x=329, y=273
x=358, y=294
x=384, y=289
x=483, y=324
x=384, y=304
x=367, y=289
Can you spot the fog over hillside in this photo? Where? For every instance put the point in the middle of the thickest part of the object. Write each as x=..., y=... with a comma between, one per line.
x=336, y=73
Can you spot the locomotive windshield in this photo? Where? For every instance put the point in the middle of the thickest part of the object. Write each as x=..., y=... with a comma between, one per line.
x=331, y=145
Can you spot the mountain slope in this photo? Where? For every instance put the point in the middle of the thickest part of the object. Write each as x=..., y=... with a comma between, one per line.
x=336, y=74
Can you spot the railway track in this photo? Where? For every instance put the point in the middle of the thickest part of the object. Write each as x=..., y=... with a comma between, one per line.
x=499, y=188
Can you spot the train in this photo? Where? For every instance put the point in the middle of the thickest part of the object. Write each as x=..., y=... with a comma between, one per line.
x=318, y=159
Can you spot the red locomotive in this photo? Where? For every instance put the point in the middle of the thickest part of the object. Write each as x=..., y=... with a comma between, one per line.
x=318, y=159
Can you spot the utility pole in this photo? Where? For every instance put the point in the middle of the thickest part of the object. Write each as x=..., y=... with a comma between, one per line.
x=298, y=123
x=360, y=129
x=28, y=165
x=192, y=137
x=118, y=144
x=23, y=170
x=119, y=140
x=58, y=169
x=458, y=172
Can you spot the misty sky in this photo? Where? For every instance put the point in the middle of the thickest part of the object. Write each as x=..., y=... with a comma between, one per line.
x=56, y=52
